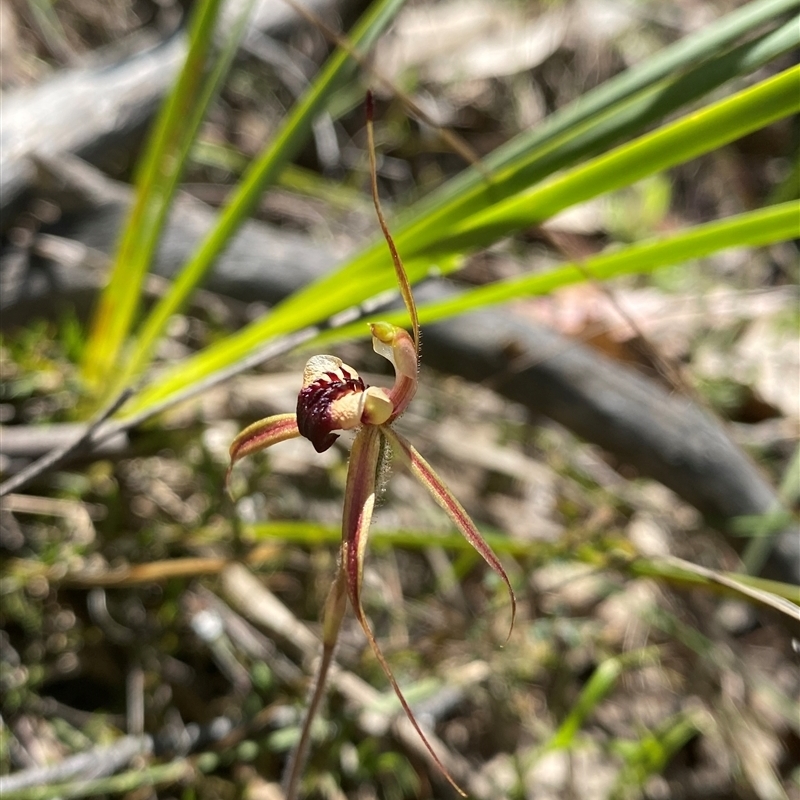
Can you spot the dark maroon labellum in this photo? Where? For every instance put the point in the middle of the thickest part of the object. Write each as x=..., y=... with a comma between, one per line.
x=315, y=420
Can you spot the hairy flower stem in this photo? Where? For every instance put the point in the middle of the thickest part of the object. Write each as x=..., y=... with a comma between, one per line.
x=333, y=614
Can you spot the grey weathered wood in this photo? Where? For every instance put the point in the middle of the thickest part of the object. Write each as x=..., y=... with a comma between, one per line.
x=95, y=763
x=87, y=110
x=82, y=111
x=664, y=435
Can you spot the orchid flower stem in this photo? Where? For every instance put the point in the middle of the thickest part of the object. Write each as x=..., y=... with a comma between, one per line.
x=335, y=607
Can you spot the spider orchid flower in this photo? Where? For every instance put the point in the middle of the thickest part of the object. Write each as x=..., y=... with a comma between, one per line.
x=334, y=398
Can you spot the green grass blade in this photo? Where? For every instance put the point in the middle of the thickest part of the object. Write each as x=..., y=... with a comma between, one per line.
x=620, y=107
x=525, y=147
x=156, y=180
x=679, y=569
x=673, y=144
x=674, y=59
x=764, y=530
x=686, y=138
x=291, y=136
x=365, y=276
x=752, y=229
x=366, y=273
x=296, y=179
x=677, y=78
x=603, y=554
x=650, y=753
x=598, y=687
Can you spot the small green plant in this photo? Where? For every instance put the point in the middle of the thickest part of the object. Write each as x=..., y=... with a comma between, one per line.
x=333, y=397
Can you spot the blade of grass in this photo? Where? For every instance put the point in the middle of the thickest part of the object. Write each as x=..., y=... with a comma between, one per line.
x=598, y=687
x=651, y=751
x=763, y=532
x=294, y=178
x=751, y=229
x=156, y=180
x=593, y=123
x=590, y=125
x=290, y=137
x=326, y=297
x=367, y=273
x=608, y=553
x=676, y=142
x=51, y=30
x=733, y=582
x=350, y=285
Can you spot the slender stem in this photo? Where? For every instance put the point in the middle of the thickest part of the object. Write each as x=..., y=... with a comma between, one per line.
x=335, y=607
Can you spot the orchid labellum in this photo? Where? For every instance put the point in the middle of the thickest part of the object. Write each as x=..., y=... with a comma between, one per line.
x=334, y=398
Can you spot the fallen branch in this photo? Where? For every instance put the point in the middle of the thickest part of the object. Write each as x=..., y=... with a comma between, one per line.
x=94, y=763
x=63, y=452
x=63, y=115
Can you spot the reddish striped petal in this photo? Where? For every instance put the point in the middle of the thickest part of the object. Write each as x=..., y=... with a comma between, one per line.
x=424, y=473
x=260, y=435
x=358, y=507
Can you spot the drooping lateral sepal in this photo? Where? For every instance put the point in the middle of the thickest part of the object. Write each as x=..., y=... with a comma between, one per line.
x=425, y=474
x=260, y=435
x=362, y=474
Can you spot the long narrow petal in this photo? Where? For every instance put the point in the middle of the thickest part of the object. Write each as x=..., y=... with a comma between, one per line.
x=260, y=435
x=424, y=473
x=359, y=501
x=399, y=268
x=358, y=506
